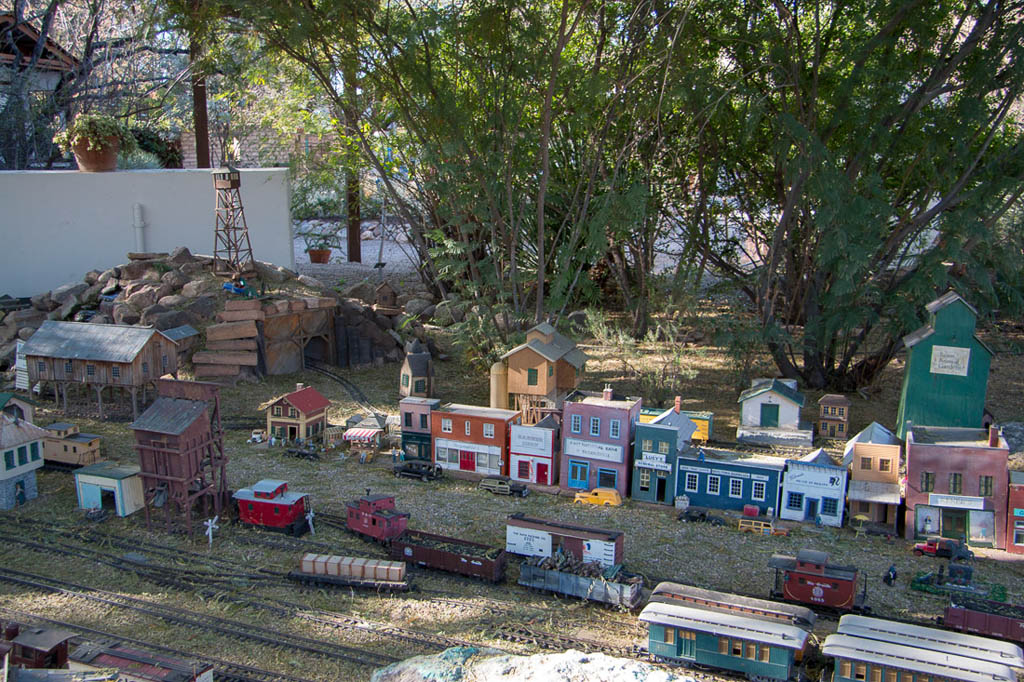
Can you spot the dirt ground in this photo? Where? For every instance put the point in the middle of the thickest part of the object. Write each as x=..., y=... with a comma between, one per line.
x=657, y=545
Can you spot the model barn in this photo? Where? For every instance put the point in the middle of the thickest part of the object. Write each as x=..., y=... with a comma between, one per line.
x=99, y=356
x=181, y=452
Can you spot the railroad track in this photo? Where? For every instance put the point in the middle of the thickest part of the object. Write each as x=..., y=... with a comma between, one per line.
x=354, y=391
x=225, y=671
x=195, y=620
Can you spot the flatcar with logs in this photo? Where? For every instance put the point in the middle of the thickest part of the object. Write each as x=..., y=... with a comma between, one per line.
x=450, y=554
x=342, y=571
x=809, y=578
x=724, y=632
x=375, y=518
x=984, y=617
x=270, y=505
x=591, y=581
x=875, y=649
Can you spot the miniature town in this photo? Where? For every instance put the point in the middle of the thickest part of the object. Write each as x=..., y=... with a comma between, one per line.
x=362, y=514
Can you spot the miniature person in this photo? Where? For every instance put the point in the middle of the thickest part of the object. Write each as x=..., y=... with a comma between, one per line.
x=890, y=576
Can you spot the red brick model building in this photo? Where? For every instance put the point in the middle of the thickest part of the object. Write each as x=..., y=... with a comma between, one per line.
x=957, y=484
x=471, y=438
x=1015, y=514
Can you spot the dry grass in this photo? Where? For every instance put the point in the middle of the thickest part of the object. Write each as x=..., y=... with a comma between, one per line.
x=656, y=544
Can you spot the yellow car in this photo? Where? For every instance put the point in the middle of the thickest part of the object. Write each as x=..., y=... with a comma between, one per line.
x=606, y=496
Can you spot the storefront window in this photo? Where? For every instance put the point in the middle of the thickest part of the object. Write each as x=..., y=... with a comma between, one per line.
x=1018, y=532
x=982, y=529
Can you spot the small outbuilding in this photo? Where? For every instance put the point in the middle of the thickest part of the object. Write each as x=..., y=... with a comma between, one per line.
x=299, y=414
x=770, y=414
x=417, y=374
x=14, y=405
x=110, y=485
x=834, y=416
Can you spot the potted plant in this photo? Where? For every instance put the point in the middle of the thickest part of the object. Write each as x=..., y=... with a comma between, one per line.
x=96, y=140
x=319, y=242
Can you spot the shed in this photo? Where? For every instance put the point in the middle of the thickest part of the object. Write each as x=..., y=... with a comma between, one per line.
x=122, y=482
x=770, y=414
x=14, y=405
x=417, y=373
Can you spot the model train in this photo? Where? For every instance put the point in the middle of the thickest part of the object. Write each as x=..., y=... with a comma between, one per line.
x=809, y=578
x=770, y=640
x=269, y=504
x=984, y=617
x=323, y=569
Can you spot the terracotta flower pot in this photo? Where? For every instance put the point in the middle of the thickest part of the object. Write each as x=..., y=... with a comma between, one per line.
x=319, y=255
x=97, y=160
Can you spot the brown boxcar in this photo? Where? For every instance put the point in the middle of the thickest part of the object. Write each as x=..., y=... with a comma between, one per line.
x=450, y=554
x=537, y=537
x=985, y=617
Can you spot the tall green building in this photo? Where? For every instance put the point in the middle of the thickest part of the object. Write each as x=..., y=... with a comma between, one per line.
x=946, y=376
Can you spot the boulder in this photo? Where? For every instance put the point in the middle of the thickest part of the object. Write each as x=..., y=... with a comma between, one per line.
x=25, y=333
x=416, y=306
x=428, y=312
x=361, y=290
x=8, y=353
x=311, y=282
x=150, y=312
x=135, y=286
x=101, y=319
x=170, y=319
x=71, y=305
x=181, y=256
x=192, y=269
x=8, y=331
x=137, y=269
x=92, y=277
x=125, y=314
x=142, y=299
x=107, y=308
x=204, y=307
x=270, y=273
x=27, y=317
x=91, y=295
x=383, y=321
x=146, y=255
x=175, y=279
x=196, y=287
x=448, y=312
x=111, y=287
x=172, y=301
x=106, y=276
x=62, y=293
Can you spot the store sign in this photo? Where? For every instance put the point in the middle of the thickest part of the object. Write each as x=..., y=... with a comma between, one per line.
x=956, y=501
x=816, y=478
x=950, y=360
x=593, y=450
x=657, y=466
x=529, y=440
x=1018, y=512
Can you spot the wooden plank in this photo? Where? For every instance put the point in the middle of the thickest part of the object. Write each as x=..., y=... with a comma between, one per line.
x=216, y=370
x=224, y=357
x=296, y=305
x=232, y=344
x=239, y=315
x=231, y=330
x=245, y=304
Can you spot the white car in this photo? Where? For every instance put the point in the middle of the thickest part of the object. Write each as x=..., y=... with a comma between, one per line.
x=258, y=436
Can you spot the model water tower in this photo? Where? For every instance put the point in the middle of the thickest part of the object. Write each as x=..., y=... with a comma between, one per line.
x=232, y=252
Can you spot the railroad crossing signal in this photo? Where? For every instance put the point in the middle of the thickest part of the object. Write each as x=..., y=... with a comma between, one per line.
x=211, y=525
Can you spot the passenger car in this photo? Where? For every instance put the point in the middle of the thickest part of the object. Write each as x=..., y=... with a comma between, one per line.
x=943, y=547
x=605, y=496
x=418, y=468
x=502, y=485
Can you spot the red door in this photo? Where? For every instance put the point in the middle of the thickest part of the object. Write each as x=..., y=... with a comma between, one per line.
x=542, y=474
x=467, y=460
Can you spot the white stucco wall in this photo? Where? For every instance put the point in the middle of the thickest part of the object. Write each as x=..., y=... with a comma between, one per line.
x=57, y=225
x=789, y=412
x=816, y=483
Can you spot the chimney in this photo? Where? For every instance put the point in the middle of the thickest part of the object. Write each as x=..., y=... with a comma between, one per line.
x=993, y=436
x=607, y=393
x=679, y=404
x=299, y=386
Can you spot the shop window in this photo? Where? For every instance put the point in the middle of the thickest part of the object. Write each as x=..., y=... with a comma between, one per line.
x=531, y=377
x=614, y=428
x=607, y=478
x=576, y=423
x=645, y=479
x=758, y=490
x=1018, y=532
x=595, y=426
x=495, y=462
x=735, y=487
x=488, y=430
x=446, y=425
x=829, y=506
x=865, y=464
x=692, y=480
x=985, y=486
x=714, y=485
x=481, y=460
x=927, y=481
x=956, y=484
x=524, y=469
x=795, y=501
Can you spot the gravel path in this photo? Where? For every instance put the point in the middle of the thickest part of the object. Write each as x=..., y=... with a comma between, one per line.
x=398, y=256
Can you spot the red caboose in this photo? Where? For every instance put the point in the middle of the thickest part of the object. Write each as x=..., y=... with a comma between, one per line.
x=268, y=504
x=810, y=579
x=34, y=647
x=374, y=517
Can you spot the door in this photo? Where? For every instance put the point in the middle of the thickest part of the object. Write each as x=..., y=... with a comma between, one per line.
x=467, y=460
x=91, y=498
x=954, y=523
x=542, y=474
x=769, y=415
x=19, y=493
x=812, y=510
x=579, y=475
x=660, y=488
x=293, y=432
x=832, y=430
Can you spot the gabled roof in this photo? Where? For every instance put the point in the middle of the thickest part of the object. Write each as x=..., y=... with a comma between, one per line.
x=6, y=397
x=560, y=348
x=775, y=386
x=873, y=433
x=15, y=432
x=171, y=416
x=86, y=341
x=26, y=37
x=420, y=364
x=917, y=336
x=818, y=458
x=834, y=399
x=304, y=400
x=678, y=420
x=945, y=300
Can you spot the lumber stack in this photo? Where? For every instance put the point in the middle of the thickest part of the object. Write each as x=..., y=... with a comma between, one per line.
x=231, y=344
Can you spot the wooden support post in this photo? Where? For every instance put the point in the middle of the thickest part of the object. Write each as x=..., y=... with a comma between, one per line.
x=99, y=399
x=135, y=405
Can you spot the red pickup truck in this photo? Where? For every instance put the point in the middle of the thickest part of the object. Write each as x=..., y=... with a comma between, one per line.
x=943, y=547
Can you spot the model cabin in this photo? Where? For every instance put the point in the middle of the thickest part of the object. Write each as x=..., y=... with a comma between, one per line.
x=417, y=373
x=14, y=405
x=873, y=459
x=66, y=446
x=21, y=444
x=180, y=445
x=99, y=357
x=270, y=505
x=385, y=300
x=535, y=377
x=301, y=414
x=945, y=379
x=833, y=416
x=770, y=414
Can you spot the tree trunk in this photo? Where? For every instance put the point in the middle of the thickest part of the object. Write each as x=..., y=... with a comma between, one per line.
x=200, y=119
x=352, y=197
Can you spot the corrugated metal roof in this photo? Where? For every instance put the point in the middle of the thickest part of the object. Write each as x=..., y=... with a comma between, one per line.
x=170, y=415
x=15, y=432
x=85, y=341
x=109, y=470
x=179, y=333
x=942, y=665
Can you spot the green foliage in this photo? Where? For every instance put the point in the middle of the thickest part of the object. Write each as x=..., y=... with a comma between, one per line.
x=322, y=235
x=138, y=159
x=94, y=130
x=157, y=143
x=317, y=191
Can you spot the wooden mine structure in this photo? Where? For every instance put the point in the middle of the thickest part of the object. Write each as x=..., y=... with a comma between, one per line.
x=180, y=445
x=232, y=251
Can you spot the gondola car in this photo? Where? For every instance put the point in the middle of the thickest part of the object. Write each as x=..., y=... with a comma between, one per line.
x=713, y=634
x=875, y=649
x=808, y=578
x=984, y=617
x=374, y=518
x=268, y=504
x=612, y=586
x=322, y=569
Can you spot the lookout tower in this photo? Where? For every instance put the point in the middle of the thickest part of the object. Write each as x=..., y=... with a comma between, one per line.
x=232, y=252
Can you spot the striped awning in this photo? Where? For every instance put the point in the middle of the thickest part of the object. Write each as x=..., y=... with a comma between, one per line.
x=361, y=434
